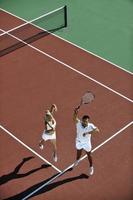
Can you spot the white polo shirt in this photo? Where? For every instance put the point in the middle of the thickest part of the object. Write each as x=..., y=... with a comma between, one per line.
x=81, y=130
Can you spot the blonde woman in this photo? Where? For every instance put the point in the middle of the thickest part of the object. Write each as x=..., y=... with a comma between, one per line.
x=49, y=132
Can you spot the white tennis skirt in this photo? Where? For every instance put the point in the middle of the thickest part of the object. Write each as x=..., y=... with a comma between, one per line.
x=46, y=136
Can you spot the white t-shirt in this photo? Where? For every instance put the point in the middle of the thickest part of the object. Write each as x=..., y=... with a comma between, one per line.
x=81, y=130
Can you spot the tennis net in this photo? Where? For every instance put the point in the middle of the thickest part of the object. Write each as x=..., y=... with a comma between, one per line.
x=33, y=30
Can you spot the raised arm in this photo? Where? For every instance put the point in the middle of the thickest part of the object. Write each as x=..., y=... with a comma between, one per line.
x=53, y=109
x=75, y=115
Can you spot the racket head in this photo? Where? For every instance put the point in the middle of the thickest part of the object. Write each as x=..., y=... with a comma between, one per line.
x=87, y=98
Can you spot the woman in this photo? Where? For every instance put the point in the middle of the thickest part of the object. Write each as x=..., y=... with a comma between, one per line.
x=50, y=131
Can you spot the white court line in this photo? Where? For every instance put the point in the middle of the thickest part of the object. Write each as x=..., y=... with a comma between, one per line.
x=113, y=64
x=69, y=167
x=27, y=147
x=68, y=66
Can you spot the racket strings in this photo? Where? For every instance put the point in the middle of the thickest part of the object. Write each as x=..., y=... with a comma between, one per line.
x=87, y=98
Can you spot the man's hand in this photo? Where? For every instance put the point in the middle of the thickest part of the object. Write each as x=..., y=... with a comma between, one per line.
x=76, y=110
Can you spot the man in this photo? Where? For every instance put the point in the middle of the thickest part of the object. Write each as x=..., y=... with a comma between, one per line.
x=50, y=131
x=83, y=140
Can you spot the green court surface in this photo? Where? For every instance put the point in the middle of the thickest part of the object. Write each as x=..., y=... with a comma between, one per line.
x=103, y=27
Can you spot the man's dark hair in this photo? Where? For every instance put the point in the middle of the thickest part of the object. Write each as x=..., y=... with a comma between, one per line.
x=85, y=117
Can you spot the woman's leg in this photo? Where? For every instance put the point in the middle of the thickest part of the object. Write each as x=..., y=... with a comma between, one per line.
x=54, y=149
x=41, y=144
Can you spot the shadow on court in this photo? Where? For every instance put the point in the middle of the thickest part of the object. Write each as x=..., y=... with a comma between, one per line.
x=15, y=174
x=47, y=188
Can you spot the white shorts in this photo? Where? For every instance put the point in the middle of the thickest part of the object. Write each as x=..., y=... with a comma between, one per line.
x=46, y=136
x=86, y=145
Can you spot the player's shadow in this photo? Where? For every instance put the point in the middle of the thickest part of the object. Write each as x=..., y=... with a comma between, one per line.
x=47, y=188
x=15, y=173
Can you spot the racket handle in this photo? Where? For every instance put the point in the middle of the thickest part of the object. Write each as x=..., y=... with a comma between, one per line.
x=79, y=106
x=76, y=109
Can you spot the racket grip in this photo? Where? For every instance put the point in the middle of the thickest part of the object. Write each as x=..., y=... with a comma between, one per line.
x=76, y=109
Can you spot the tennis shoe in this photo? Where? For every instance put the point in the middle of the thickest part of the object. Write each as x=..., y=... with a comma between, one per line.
x=41, y=146
x=55, y=158
x=91, y=171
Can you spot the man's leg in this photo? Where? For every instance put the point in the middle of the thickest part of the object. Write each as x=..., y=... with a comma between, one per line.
x=89, y=158
x=91, y=169
x=79, y=153
x=78, y=156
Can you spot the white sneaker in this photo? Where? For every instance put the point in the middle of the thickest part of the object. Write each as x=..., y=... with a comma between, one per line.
x=55, y=158
x=76, y=163
x=91, y=171
x=41, y=146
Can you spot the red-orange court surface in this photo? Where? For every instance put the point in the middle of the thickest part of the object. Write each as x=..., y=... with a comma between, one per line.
x=52, y=70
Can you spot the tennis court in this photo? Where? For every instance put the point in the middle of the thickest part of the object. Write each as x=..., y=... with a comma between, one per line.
x=34, y=73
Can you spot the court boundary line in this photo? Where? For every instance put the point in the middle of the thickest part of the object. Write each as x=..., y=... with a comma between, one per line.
x=73, y=44
x=29, y=148
x=69, y=167
x=68, y=66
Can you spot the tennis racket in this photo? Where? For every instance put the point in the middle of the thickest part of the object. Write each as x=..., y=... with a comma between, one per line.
x=87, y=98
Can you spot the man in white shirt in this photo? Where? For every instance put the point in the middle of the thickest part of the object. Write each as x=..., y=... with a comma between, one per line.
x=83, y=140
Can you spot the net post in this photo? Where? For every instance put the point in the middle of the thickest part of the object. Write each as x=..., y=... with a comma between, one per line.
x=65, y=15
